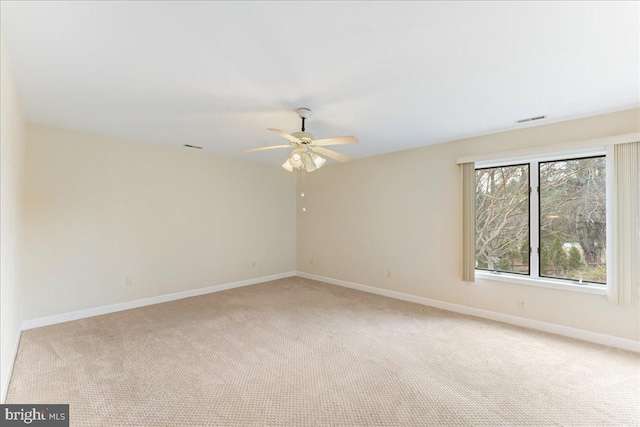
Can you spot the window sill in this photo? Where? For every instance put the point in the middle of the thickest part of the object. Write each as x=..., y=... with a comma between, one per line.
x=587, y=288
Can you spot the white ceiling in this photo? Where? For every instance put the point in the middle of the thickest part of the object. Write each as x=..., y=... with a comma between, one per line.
x=397, y=75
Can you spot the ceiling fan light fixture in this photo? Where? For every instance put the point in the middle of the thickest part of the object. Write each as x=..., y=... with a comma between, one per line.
x=287, y=165
x=309, y=164
x=307, y=161
x=317, y=160
x=296, y=159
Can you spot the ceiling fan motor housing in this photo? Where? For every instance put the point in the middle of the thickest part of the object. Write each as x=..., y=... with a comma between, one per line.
x=305, y=137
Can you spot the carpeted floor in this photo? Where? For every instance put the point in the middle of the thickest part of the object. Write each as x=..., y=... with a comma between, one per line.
x=300, y=352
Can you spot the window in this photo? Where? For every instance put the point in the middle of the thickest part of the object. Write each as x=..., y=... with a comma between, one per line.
x=502, y=219
x=543, y=219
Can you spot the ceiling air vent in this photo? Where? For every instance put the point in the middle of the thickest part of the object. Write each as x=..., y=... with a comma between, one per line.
x=193, y=146
x=531, y=119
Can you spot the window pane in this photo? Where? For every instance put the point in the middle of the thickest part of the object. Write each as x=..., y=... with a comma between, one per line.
x=573, y=219
x=502, y=219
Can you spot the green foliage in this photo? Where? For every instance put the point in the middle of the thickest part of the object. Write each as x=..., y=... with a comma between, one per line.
x=557, y=256
x=524, y=251
x=555, y=251
x=554, y=258
x=544, y=258
x=562, y=263
x=575, y=259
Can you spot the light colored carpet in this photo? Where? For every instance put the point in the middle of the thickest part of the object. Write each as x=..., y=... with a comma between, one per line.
x=300, y=352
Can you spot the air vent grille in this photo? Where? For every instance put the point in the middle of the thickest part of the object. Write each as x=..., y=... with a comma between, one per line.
x=531, y=119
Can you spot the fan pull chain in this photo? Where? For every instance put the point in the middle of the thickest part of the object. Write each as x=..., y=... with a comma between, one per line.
x=302, y=188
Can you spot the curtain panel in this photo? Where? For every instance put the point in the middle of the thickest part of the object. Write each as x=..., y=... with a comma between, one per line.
x=624, y=266
x=469, y=222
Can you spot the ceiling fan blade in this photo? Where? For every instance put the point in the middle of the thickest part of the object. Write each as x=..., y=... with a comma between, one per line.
x=285, y=135
x=336, y=141
x=249, y=150
x=331, y=154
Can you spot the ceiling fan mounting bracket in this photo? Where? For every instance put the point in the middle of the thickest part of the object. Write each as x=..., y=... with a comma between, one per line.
x=304, y=114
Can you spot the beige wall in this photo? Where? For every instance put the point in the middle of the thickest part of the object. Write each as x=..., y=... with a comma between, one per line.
x=12, y=143
x=402, y=212
x=100, y=210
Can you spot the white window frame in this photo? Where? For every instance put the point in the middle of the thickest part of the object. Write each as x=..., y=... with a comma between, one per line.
x=534, y=279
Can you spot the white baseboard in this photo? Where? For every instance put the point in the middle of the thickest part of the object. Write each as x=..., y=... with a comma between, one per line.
x=581, y=334
x=567, y=331
x=106, y=309
x=5, y=386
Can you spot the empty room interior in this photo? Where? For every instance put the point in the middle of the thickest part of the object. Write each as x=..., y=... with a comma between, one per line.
x=320, y=213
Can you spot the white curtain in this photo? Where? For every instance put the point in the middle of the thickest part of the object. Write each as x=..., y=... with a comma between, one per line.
x=469, y=222
x=624, y=266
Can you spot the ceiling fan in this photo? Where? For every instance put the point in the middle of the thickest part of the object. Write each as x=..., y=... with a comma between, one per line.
x=307, y=150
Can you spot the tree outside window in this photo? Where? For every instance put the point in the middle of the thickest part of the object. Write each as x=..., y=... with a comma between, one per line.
x=570, y=219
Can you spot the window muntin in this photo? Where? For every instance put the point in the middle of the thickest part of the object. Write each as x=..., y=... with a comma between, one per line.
x=572, y=219
x=590, y=191
x=502, y=219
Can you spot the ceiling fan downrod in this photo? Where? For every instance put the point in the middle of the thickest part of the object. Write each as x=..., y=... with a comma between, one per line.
x=303, y=113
